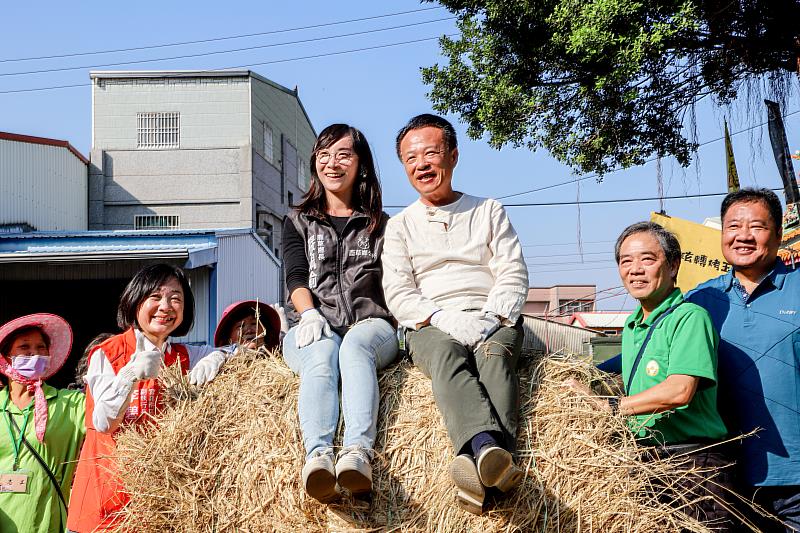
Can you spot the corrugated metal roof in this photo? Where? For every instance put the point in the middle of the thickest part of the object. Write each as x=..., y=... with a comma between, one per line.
x=198, y=246
x=545, y=336
x=122, y=233
x=6, y=136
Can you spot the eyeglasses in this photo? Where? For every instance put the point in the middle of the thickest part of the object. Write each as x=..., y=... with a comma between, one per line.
x=343, y=158
x=430, y=156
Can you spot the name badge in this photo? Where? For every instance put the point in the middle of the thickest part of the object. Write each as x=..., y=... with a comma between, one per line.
x=14, y=482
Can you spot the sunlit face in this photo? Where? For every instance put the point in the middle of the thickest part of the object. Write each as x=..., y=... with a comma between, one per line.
x=162, y=311
x=750, y=239
x=429, y=164
x=337, y=166
x=644, y=269
x=245, y=331
x=30, y=343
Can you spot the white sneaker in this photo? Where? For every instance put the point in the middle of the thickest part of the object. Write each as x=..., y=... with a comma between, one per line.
x=469, y=490
x=353, y=469
x=496, y=468
x=319, y=478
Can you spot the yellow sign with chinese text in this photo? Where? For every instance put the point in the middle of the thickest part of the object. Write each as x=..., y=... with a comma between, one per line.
x=701, y=251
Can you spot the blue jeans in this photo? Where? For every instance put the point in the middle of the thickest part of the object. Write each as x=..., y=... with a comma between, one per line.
x=367, y=347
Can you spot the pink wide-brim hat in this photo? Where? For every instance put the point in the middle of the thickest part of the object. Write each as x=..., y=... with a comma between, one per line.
x=55, y=327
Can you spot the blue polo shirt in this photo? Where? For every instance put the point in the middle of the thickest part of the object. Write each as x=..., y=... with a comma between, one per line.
x=759, y=381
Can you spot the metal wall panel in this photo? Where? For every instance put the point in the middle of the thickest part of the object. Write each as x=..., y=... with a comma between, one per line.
x=43, y=186
x=546, y=336
x=245, y=271
x=199, y=279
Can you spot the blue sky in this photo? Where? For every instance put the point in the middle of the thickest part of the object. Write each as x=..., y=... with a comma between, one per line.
x=376, y=90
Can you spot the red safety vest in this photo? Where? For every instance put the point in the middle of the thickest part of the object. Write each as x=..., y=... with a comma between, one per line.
x=97, y=494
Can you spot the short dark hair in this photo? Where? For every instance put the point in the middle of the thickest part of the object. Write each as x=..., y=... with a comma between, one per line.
x=424, y=121
x=5, y=347
x=367, y=190
x=751, y=195
x=143, y=284
x=669, y=243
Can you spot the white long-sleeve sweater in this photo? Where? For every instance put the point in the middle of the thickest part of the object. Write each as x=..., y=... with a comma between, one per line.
x=465, y=255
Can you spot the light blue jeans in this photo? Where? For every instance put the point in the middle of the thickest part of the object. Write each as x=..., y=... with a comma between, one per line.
x=367, y=347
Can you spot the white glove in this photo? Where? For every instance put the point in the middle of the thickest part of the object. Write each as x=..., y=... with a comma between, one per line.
x=282, y=315
x=144, y=364
x=207, y=368
x=490, y=323
x=312, y=327
x=463, y=327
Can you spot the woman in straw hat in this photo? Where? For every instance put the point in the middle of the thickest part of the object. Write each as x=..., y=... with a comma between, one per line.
x=43, y=426
x=332, y=244
x=123, y=388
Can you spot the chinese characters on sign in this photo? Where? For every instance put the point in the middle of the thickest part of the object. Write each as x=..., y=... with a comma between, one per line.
x=704, y=261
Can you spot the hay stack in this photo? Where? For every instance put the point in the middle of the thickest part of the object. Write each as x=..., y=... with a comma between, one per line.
x=230, y=460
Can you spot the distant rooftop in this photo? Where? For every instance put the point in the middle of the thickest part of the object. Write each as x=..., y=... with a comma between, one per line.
x=16, y=137
x=601, y=319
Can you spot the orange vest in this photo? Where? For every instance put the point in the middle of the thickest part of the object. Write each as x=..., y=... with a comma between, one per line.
x=97, y=494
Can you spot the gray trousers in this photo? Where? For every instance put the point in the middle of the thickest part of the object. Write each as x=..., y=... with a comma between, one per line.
x=474, y=392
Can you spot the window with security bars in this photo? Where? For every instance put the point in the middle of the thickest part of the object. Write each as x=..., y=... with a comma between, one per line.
x=156, y=222
x=158, y=130
x=567, y=307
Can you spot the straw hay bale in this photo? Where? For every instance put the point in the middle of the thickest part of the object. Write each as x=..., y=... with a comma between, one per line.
x=229, y=457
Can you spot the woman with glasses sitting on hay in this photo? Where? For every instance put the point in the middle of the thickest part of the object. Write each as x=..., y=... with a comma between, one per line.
x=332, y=243
x=123, y=388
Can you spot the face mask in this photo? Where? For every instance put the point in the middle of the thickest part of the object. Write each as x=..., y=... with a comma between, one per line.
x=31, y=366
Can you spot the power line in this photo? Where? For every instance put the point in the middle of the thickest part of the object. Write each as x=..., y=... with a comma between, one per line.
x=276, y=61
x=564, y=243
x=219, y=52
x=572, y=263
x=573, y=270
x=621, y=200
x=591, y=176
x=609, y=253
x=217, y=39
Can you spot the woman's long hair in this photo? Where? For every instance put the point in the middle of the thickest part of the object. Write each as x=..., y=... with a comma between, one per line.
x=366, y=189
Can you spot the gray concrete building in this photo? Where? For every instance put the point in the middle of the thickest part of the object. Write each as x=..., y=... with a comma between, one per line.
x=196, y=150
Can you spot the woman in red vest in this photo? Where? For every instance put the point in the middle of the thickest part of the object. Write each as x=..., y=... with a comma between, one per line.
x=122, y=385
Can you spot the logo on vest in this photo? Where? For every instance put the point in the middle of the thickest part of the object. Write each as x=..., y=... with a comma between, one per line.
x=652, y=368
x=363, y=245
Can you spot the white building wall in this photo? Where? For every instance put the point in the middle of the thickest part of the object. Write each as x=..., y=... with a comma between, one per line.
x=43, y=186
x=214, y=112
x=246, y=270
x=285, y=116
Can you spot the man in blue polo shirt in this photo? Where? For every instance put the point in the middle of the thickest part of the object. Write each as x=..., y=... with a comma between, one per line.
x=756, y=309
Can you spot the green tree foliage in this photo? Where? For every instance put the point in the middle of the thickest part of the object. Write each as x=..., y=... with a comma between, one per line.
x=603, y=84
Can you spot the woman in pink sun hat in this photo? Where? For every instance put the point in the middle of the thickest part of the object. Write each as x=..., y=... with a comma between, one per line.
x=43, y=426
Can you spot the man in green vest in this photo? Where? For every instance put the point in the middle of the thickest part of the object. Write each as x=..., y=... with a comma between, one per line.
x=669, y=364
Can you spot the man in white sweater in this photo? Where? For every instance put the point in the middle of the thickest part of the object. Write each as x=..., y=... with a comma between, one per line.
x=455, y=279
